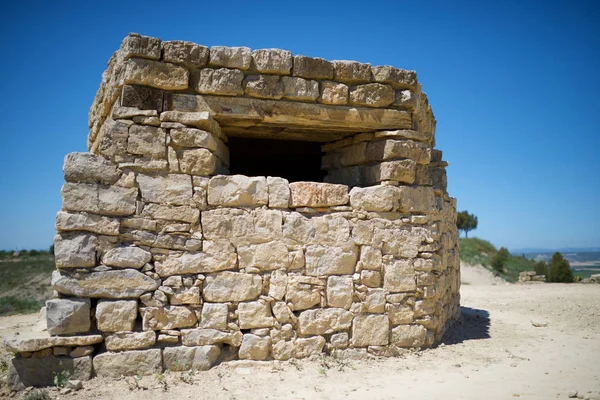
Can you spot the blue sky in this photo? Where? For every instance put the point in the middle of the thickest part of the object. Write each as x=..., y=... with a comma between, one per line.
x=514, y=85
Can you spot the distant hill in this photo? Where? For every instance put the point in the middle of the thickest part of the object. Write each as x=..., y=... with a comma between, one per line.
x=527, y=250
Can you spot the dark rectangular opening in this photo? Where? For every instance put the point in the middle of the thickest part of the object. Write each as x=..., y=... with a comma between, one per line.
x=289, y=159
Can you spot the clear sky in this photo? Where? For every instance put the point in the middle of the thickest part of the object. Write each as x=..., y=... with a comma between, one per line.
x=514, y=85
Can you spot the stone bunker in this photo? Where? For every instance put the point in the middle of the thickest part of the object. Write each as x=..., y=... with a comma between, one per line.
x=239, y=204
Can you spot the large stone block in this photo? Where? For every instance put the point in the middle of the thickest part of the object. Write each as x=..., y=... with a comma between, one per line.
x=237, y=190
x=230, y=57
x=231, y=286
x=279, y=192
x=266, y=256
x=204, y=337
x=172, y=213
x=272, y=61
x=139, y=71
x=136, y=45
x=351, y=71
x=175, y=189
x=370, y=330
x=295, y=88
x=222, y=81
x=398, y=78
x=201, y=120
x=255, y=314
x=121, y=284
x=375, y=198
x=41, y=371
x=186, y=53
x=417, y=200
x=89, y=168
x=126, y=257
x=75, y=250
x=263, y=86
x=403, y=171
x=142, y=98
x=99, y=199
x=333, y=93
x=168, y=317
x=68, y=316
x=302, y=294
x=330, y=260
x=255, y=348
x=115, y=316
x=216, y=256
x=196, y=358
x=409, y=335
x=372, y=95
x=324, y=321
x=316, y=194
x=399, y=275
x=148, y=141
x=242, y=226
x=214, y=316
x=391, y=149
x=303, y=348
x=128, y=363
x=130, y=340
x=200, y=162
x=312, y=68
x=66, y=221
x=340, y=290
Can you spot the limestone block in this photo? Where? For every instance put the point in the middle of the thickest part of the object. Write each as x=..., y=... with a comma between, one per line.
x=370, y=279
x=130, y=340
x=339, y=291
x=42, y=371
x=403, y=243
x=266, y=256
x=231, y=286
x=136, y=45
x=18, y=345
x=405, y=134
x=204, y=337
x=333, y=93
x=329, y=260
x=279, y=192
x=399, y=275
x=303, y=348
x=282, y=312
x=142, y=98
x=317, y=194
x=256, y=314
x=375, y=198
x=139, y=71
x=119, y=284
x=185, y=296
x=312, y=68
x=282, y=350
x=398, y=78
x=115, y=316
x=214, y=316
x=375, y=301
x=263, y=86
x=89, y=168
x=201, y=120
x=167, y=317
x=172, y=213
x=230, y=57
x=196, y=358
x=324, y=321
x=66, y=221
x=272, y=61
x=409, y=335
x=242, y=226
x=301, y=295
x=255, y=348
x=295, y=88
x=190, y=137
x=147, y=141
x=128, y=363
x=372, y=95
x=173, y=189
x=186, y=53
x=198, y=162
x=417, y=200
x=406, y=99
x=97, y=199
x=80, y=351
x=351, y=71
x=370, y=258
x=237, y=190
x=403, y=171
x=278, y=285
x=389, y=149
x=370, y=330
x=222, y=81
x=75, y=250
x=216, y=256
x=67, y=316
x=126, y=257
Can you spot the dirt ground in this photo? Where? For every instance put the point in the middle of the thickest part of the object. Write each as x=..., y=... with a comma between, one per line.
x=538, y=341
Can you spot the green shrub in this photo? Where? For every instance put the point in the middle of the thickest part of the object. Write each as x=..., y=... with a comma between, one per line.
x=500, y=259
x=560, y=270
x=541, y=268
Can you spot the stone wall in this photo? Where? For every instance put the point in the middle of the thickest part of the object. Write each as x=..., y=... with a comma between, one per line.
x=164, y=261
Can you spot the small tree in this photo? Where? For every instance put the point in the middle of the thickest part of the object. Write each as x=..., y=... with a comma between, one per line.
x=500, y=259
x=559, y=269
x=541, y=268
x=466, y=222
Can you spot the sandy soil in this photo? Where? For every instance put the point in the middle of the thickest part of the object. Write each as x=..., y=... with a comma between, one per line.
x=514, y=341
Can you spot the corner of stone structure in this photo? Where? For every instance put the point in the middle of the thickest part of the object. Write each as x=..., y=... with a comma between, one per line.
x=247, y=204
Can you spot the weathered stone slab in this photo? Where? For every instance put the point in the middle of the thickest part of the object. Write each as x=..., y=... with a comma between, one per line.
x=372, y=95
x=66, y=221
x=201, y=120
x=197, y=358
x=222, y=81
x=256, y=314
x=128, y=363
x=141, y=97
x=340, y=290
x=398, y=78
x=255, y=348
x=263, y=86
x=130, y=340
x=303, y=348
x=186, y=53
x=198, y=162
x=98, y=199
x=370, y=330
x=18, y=345
x=172, y=213
x=175, y=189
x=409, y=335
x=265, y=256
x=272, y=61
x=333, y=93
x=399, y=276
x=390, y=149
x=317, y=194
x=168, y=317
x=351, y=71
x=203, y=337
x=279, y=192
x=121, y=284
x=159, y=75
x=136, y=45
x=301, y=294
x=329, y=260
x=75, y=250
x=231, y=286
x=312, y=68
x=190, y=137
x=68, y=316
x=295, y=88
x=375, y=198
x=41, y=372
x=324, y=321
x=237, y=190
x=148, y=141
x=115, y=316
x=404, y=171
x=89, y=168
x=214, y=316
x=417, y=200
x=126, y=257
x=230, y=57
x=216, y=256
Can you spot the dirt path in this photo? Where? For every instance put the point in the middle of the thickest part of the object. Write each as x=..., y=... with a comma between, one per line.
x=515, y=341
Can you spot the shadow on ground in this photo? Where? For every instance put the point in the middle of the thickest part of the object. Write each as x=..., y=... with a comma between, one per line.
x=474, y=325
